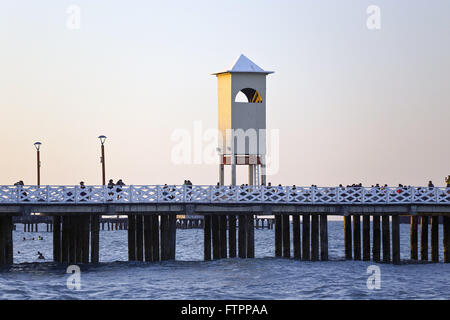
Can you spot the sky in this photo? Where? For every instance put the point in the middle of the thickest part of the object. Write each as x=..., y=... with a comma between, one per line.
x=350, y=104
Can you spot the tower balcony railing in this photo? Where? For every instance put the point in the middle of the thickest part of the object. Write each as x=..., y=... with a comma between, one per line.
x=222, y=194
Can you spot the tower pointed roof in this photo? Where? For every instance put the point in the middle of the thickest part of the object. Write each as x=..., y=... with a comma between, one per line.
x=244, y=64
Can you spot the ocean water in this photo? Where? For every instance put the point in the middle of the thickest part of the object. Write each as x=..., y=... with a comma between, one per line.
x=264, y=277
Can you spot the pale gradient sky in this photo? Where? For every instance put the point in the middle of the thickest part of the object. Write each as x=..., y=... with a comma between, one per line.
x=352, y=105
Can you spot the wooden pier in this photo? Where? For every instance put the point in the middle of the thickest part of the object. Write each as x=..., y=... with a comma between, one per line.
x=229, y=224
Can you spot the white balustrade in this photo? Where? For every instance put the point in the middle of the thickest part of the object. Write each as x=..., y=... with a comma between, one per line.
x=222, y=194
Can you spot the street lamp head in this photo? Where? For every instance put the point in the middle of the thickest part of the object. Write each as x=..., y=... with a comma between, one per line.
x=37, y=145
x=102, y=139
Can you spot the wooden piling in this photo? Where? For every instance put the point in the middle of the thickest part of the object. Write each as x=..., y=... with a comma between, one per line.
x=414, y=237
x=148, y=256
x=357, y=237
x=315, y=237
x=232, y=236
x=65, y=240
x=446, y=240
x=306, y=236
x=155, y=238
x=348, y=237
x=376, y=238
x=386, y=238
x=79, y=239
x=2, y=241
x=172, y=236
x=435, y=238
x=424, y=238
x=296, y=236
x=215, y=228
x=85, y=242
x=223, y=236
x=3, y=231
x=165, y=238
x=250, y=237
x=278, y=236
x=72, y=240
x=285, y=227
x=323, y=237
x=139, y=238
x=95, y=238
x=6, y=241
x=396, y=239
x=131, y=237
x=242, y=236
x=207, y=237
x=57, y=239
x=366, y=238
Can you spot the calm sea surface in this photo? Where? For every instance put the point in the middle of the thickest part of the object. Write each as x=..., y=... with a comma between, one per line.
x=190, y=278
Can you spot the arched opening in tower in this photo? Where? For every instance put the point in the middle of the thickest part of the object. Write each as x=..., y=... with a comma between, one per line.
x=248, y=95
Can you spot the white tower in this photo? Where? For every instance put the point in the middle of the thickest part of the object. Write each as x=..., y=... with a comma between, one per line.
x=242, y=125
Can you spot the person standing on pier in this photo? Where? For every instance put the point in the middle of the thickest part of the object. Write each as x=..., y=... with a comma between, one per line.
x=447, y=181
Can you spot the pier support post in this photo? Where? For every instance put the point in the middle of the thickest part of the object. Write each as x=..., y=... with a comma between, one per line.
x=376, y=238
x=357, y=237
x=306, y=236
x=155, y=237
x=232, y=236
x=286, y=236
x=315, y=237
x=131, y=237
x=435, y=238
x=57, y=239
x=348, y=237
x=366, y=237
x=250, y=236
x=215, y=236
x=424, y=238
x=223, y=236
x=139, y=238
x=79, y=221
x=446, y=240
x=95, y=238
x=242, y=239
x=278, y=236
x=6, y=241
x=65, y=240
x=395, y=239
x=414, y=237
x=147, y=223
x=86, y=238
x=172, y=236
x=386, y=239
x=207, y=237
x=165, y=238
x=323, y=237
x=72, y=240
x=295, y=236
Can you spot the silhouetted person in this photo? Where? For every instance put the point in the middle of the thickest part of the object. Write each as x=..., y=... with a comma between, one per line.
x=447, y=181
x=41, y=256
x=430, y=184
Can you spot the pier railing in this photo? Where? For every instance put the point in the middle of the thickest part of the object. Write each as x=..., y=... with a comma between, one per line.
x=222, y=194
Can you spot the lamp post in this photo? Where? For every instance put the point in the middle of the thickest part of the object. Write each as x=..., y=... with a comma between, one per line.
x=37, y=145
x=102, y=159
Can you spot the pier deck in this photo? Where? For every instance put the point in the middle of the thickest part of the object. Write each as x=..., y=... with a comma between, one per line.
x=152, y=219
